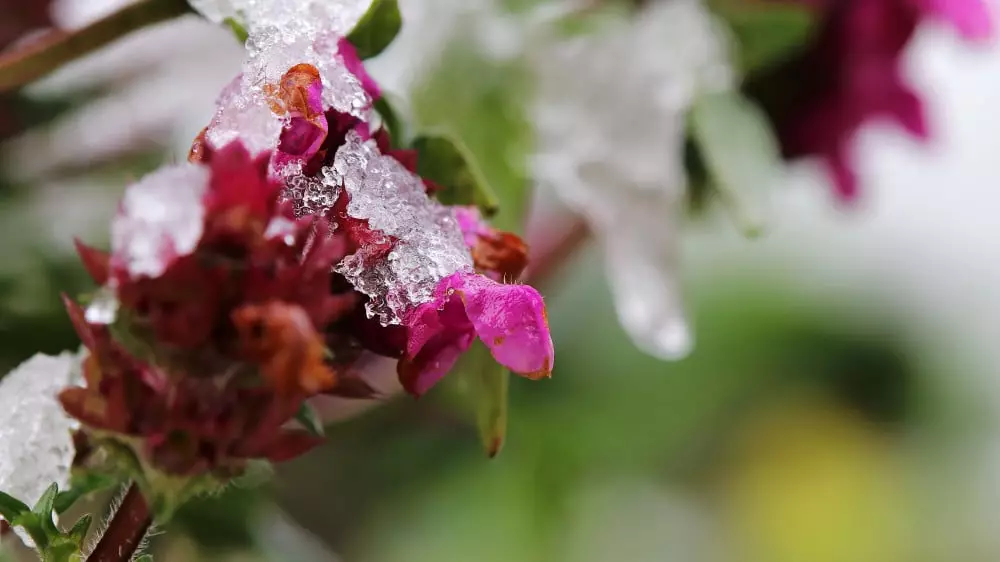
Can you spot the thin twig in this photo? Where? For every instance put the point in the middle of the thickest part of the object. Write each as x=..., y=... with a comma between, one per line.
x=125, y=531
x=55, y=48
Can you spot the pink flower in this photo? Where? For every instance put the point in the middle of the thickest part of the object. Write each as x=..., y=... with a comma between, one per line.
x=850, y=74
x=509, y=319
x=356, y=67
x=501, y=256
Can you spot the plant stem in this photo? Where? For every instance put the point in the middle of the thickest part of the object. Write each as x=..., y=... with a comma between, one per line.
x=126, y=530
x=554, y=248
x=55, y=48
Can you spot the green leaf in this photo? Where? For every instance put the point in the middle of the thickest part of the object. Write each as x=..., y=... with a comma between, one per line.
x=35, y=527
x=11, y=508
x=481, y=102
x=766, y=33
x=144, y=558
x=485, y=384
x=740, y=154
x=79, y=530
x=81, y=484
x=391, y=121
x=446, y=162
x=376, y=29
x=238, y=30
x=43, y=509
x=309, y=419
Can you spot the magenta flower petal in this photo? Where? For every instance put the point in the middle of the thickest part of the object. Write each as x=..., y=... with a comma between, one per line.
x=356, y=67
x=509, y=319
x=971, y=18
x=439, y=333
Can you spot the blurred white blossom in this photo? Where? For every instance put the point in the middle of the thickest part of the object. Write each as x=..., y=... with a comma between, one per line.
x=611, y=116
x=36, y=447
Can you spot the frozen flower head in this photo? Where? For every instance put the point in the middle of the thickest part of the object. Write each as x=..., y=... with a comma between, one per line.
x=36, y=446
x=611, y=116
x=307, y=99
x=851, y=73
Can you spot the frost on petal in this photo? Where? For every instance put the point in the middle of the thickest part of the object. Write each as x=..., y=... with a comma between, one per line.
x=429, y=244
x=283, y=35
x=161, y=217
x=36, y=448
x=509, y=319
x=611, y=114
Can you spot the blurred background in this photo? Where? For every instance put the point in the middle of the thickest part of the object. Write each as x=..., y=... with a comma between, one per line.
x=842, y=403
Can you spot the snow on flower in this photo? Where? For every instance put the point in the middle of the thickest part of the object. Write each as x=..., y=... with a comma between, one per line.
x=36, y=446
x=611, y=118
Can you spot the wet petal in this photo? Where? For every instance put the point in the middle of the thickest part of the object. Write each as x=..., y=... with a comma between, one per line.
x=439, y=333
x=356, y=67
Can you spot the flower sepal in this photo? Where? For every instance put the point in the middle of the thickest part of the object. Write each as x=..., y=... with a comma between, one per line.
x=38, y=522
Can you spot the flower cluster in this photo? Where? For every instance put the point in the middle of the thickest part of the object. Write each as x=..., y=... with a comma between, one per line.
x=297, y=242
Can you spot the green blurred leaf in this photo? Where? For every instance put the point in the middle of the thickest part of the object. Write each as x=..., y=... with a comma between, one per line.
x=485, y=384
x=238, y=30
x=391, y=121
x=767, y=33
x=482, y=103
x=81, y=484
x=446, y=162
x=309, y=419
x=10, y=507
x=43, y=509
x=376, y=29
x=740, y=154
x=35, y=527
x=79, y=530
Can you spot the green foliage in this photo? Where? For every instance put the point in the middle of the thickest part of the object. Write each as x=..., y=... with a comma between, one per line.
x=38, y=522
x=238, y=30
x=740, y=154
x=391, y=121
x=481, y=103
x=484, y=384
x=309, y=419
x=446, y=162
x=376, y=29
x=767, y=33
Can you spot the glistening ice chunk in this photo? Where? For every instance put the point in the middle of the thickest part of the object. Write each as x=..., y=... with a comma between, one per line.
x=394, y=202
x=610, y=116
x=161, y=217
x=36, y=448
x=283, y=34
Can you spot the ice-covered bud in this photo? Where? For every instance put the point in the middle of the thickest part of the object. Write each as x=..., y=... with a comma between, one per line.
x=36, y=447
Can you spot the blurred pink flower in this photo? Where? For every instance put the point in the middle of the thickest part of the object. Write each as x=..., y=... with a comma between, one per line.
x=850, y=74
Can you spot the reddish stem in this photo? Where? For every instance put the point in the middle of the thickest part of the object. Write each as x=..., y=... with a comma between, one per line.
x=126, y=530
x=554, y=247
x=55, y=48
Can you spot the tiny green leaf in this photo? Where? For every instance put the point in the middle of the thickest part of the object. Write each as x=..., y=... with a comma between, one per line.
x=446, y=162
x=740, y=154
x=391, y=121
x=309, y=419
x=82, y=484
x=486, y=384
x=11, y=508
x=376, y=29
x=238, y=30
x=767, y=33
x=35, y=527
x=43, y=509
x=79, y=530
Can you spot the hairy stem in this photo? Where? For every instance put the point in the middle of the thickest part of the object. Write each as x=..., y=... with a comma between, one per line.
x=125, y=531
x=55, y=48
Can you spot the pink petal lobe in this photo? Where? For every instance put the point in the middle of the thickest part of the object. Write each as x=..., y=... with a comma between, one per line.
x=356, y=67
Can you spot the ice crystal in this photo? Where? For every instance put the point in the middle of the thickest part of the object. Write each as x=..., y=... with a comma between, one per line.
x=36, y=448
x=161, y=217
x=393, y=200
x=282, y=35
x=611, y=116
